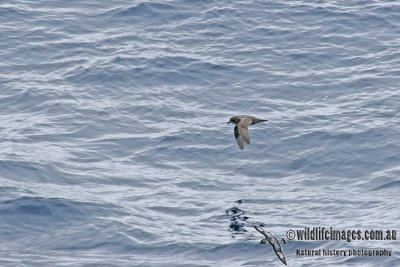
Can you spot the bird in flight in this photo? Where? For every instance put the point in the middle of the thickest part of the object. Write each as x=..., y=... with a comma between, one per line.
x=241, y=130
x=274, y=242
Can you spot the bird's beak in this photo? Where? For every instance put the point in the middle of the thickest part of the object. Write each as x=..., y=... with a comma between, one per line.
x=228, y=122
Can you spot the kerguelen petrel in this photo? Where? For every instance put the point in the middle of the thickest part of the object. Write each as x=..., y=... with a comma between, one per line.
x=241, y=129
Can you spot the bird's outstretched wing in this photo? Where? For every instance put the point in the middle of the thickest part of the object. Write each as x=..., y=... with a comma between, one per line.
x=243, y=129
x=239, y=138
x=260, y=230
x=244, y=133
x=278, y=249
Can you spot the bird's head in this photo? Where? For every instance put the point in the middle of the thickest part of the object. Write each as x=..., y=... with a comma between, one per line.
x=234, y=120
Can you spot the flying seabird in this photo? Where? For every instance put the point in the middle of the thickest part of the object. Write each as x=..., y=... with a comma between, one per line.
x=241, y=129
x=273, y=241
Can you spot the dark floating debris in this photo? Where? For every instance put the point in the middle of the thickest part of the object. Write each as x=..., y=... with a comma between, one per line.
x=237, y=219
x=234, y=211
x=237, y=226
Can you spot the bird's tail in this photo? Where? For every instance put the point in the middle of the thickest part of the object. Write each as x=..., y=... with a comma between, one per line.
x=258, y=120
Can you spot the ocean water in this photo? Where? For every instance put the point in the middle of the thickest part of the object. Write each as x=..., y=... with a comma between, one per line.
x=114, y=144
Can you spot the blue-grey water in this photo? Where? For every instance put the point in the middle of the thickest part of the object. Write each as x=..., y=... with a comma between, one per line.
x=114, y=144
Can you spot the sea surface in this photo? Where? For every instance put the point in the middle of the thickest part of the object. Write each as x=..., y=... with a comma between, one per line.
x=115, y=149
